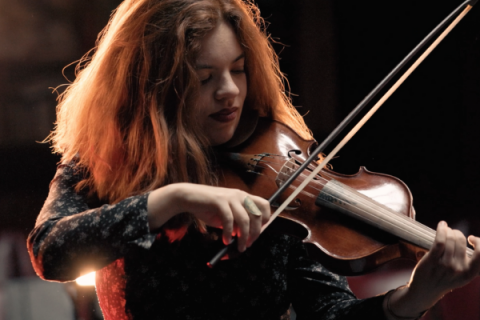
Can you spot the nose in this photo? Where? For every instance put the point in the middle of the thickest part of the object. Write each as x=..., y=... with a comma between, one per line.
x=227, y=88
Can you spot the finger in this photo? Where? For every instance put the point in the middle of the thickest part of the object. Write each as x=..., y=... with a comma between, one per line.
x=475, y=242
x=475, y=261
x=258, y=216
x=264, y=206
x=438, y=246
x=227, y=219
x=235, y=231
x=255, y=229
x=242, y=221
x=449, y=252
x=251, y=207
x=460, y=246
x=255, y=215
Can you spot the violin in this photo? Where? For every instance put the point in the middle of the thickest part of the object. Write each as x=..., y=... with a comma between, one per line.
x=350, y=223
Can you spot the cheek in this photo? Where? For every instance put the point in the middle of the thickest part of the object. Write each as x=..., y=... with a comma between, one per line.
x=203, y=104
x=242, y=86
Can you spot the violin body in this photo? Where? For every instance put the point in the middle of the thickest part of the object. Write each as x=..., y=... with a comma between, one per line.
x=341, y=243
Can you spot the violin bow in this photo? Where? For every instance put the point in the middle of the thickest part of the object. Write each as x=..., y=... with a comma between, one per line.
x=459, y=13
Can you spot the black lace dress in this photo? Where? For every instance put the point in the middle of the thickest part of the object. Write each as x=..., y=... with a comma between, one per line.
x=142, y=275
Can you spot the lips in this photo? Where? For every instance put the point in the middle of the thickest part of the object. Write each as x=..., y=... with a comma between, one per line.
x=225, y=115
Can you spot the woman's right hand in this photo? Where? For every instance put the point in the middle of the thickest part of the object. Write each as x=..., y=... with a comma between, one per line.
x=217, y=207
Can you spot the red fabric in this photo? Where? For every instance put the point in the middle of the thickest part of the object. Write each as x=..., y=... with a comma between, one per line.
x=110, y=284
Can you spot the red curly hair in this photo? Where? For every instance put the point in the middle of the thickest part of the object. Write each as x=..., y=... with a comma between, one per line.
x=128, y=118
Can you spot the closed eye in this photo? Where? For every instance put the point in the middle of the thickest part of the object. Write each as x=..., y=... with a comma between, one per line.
x=205, y=81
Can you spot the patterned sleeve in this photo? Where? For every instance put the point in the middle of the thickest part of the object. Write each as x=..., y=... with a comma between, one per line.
x=320, y=294
x=70, y=238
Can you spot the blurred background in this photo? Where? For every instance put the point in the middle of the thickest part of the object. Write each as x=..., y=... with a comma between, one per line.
x=333, y=52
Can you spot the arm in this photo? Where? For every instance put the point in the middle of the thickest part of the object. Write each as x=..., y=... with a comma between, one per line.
x=70, y=238
x=445, y=267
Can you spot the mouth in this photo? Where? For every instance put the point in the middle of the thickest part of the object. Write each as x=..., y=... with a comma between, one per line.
x=225, y=115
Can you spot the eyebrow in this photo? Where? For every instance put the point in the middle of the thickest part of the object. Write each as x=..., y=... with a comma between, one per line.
x=206, y=66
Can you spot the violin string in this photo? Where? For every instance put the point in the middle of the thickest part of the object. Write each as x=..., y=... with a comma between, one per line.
x=382, y=217
x=422, y=231
x=322, y=182
x=388, y=216
x=380, y=212
x=357, y=127
x=296, y=166
x=409, y=225
x=385, y=216
x=269, y=166
x=368, y=115
x=405, y=218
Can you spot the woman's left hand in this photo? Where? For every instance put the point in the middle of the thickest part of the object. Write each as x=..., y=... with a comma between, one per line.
x=444, y=268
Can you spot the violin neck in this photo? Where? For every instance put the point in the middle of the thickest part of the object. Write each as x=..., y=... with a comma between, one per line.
x=340, y=197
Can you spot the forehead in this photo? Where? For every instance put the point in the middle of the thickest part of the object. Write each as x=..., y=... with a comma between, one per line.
x=219, y=45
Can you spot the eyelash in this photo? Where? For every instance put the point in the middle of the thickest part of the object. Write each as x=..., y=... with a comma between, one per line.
x=239, y=71
x=206, y=80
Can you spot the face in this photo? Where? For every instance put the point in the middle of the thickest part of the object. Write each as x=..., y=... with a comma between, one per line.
x=220, y=68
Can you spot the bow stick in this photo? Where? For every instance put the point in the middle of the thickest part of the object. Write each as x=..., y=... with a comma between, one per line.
x=460, y=13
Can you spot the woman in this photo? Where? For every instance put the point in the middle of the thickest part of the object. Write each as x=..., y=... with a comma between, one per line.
x=135, y=197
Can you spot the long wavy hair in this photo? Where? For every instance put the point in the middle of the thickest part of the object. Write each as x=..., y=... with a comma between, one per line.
x=128, y=118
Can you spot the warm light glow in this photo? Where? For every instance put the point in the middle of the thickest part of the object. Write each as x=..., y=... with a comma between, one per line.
x=86, y=280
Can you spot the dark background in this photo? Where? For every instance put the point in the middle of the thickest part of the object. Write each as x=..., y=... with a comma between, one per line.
x=427, y=133
x=334, y=53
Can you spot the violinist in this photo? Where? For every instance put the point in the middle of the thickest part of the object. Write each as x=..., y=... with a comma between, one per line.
x=136, y=197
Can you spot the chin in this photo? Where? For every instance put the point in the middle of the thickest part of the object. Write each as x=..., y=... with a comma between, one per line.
x=218, y=142
x=219, y=139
